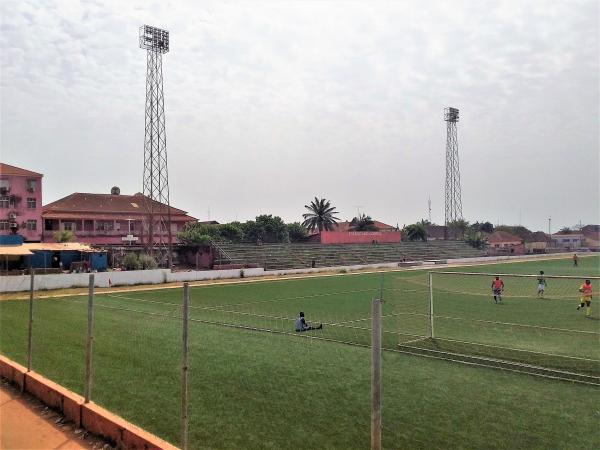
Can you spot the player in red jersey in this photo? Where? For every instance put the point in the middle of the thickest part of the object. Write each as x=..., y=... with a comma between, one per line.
x=497, y=288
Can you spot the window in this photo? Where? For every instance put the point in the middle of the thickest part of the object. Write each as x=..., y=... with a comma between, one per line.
x=104, y=226
x=68, y=226
x=32, y=224
x=31, y=203
x=4, y=202
x=4, y=185
x=31, y=185
x=4, y=225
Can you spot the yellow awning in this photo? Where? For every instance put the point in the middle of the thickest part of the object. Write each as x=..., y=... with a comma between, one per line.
x=58, y=246
x=14, y=250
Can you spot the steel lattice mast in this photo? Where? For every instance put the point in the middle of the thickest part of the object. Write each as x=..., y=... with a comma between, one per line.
x=453, y=199
x=156, y=179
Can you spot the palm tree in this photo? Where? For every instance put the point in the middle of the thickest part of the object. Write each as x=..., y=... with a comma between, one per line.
x=64, y=236
x=321, y=215
x=363, y=223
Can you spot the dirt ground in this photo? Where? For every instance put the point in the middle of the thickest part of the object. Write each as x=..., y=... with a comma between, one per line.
x=26, y=423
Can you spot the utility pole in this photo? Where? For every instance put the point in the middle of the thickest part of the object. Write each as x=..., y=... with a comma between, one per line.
x=429, y=208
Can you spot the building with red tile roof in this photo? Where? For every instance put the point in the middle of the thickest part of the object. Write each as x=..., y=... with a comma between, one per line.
x=505, y=243
x=568, y=240
x=591, y=237
x=537, y=242
x=347, y=226
x=342, y=233
x=108, y=219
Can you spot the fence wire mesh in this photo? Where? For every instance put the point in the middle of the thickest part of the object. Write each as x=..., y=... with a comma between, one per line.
x=254, y=381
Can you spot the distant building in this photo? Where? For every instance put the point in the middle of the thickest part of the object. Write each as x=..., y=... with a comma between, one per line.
x=347, y=226
x=504, y=243
x=436, y=232
x=537, y=242
x=591, y=237
x=108, y=219
x=20, y=202
x=342, y=233
x=567, y=241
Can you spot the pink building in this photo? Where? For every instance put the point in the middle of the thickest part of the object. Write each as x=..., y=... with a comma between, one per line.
x=109, y=219
x=343, y=233
x=20, y=202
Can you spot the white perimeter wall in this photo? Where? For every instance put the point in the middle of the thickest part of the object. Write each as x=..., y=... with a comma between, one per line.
x=159, y=276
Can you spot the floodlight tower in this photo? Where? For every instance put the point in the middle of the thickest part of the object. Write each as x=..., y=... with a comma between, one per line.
x=453, y=200
x=156, y=180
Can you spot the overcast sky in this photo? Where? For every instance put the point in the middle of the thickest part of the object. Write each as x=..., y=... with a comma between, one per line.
x=269, y=104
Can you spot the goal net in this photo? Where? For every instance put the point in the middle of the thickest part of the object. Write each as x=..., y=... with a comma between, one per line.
x=533, y=324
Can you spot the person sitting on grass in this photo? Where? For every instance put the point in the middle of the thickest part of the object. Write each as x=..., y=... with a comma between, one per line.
x=541, y=284
x=497, y=288
x=302, y=325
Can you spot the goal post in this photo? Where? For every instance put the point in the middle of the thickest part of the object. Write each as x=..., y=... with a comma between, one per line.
x=533, y=323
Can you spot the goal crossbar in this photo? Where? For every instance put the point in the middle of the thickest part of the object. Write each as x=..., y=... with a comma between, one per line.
x=516, y=275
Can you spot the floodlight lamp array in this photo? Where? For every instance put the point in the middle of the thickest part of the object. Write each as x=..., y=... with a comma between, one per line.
x=154, y=39
x=451, y=114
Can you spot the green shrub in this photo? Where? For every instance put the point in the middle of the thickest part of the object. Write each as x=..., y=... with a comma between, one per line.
x=131, y=261
x=147, y=262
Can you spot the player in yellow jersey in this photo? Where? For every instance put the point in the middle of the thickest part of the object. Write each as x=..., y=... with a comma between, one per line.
x=586, y=298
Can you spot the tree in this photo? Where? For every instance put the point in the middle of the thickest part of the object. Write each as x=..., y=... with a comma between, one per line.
x=415, y=232
x=272, y=228
x=565, y=230
x=64, y=236
x=197, y=234
x=296, y=232
x=476, y=239
x=321, y=215
x=266, y=228
x=131, y=261
x=486, y=227
x=232, y=232
x=517, y=230
x=362, y=223
x=458, y=228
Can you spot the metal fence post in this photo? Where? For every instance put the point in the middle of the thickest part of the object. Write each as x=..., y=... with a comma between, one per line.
x=88, y=343
x=30, y=331
x=431, y=334
x=376, y=375
x=184, y=367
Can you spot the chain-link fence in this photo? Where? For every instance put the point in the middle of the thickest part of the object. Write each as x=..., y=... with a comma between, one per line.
x=258, y=364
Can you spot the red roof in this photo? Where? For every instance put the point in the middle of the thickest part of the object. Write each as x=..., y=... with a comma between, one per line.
x=503, y=236
x=6, y=169
x=103, y=205
x=591, y=234
x=538, y=236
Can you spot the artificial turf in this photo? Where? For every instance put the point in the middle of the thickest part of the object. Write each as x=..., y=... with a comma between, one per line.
x=255, y=389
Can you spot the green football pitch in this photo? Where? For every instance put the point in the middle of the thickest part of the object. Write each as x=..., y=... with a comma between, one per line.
x=255, y=383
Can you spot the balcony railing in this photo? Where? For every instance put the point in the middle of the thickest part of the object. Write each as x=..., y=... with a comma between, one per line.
x=100, y=233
